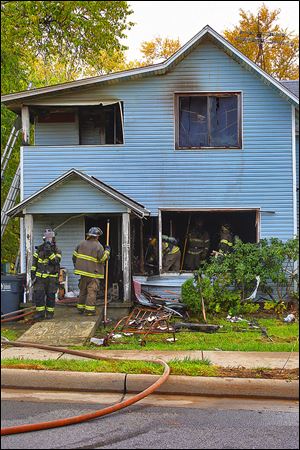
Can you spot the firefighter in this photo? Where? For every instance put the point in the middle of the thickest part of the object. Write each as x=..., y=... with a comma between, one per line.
x=88, y=258
x=171, y=254
x=226, y=239
x=44, y=275
x=198, y=246
x=151, y=256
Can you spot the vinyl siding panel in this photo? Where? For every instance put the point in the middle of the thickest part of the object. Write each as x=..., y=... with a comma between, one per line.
x=75, y=196
x=56, y=133
x=147, y=167
x=67, y=237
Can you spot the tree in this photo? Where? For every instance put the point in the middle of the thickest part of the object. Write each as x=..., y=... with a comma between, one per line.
x=49, y=42
x=273, y=48
x=158, y=49
x=74, y=33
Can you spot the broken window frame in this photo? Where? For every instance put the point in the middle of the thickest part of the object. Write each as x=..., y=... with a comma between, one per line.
x=179, y=95
x=41, y=113
x=117, y=107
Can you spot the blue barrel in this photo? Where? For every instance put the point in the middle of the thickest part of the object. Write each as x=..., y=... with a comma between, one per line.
x=12, y=289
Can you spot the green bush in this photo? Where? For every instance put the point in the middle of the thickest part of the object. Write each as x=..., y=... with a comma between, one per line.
x=190, y=296
x=226, y=282
x=216, y=298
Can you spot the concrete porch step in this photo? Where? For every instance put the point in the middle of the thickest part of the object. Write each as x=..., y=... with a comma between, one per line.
x=66, y=328
x=70, y=328
x=61, y=332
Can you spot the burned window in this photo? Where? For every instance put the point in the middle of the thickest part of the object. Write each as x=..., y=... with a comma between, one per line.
x=84, y=125
x=100, y=125
x=208, y=121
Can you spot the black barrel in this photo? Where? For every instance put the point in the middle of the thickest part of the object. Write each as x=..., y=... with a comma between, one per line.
x=12, y=289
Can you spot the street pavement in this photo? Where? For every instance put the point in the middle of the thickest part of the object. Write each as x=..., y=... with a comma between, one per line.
x=205, y=424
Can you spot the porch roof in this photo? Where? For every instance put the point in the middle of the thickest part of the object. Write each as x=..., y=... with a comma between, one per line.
x=129, y=203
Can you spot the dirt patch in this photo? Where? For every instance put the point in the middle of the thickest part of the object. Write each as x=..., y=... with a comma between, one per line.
x=242, y=372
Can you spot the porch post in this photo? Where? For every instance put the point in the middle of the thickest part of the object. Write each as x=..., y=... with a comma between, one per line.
x=159, y=241
x=25, y=125
x=22, y=255
x=29, y=247
x=126, y=265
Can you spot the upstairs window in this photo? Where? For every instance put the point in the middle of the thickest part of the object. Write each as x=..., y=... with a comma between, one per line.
x=79, y=125
x=100, y=125
x=208, y=121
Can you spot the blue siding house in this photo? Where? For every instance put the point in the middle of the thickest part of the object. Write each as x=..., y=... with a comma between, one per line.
x=206, y=132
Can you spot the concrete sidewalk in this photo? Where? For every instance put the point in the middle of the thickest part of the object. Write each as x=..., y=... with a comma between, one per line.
x=249, y=360
x=115, y=382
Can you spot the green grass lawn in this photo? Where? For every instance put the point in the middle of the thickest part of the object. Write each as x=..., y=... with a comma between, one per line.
x=284, y=338
x=12, y=335
x=230, y=337
x=185, y=367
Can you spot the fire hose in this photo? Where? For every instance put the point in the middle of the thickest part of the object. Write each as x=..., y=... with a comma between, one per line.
x=89, y=416
x=14, y=314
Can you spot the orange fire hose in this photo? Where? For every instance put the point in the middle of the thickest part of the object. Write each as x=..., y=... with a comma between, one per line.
x=84, y=417
x=10, y=319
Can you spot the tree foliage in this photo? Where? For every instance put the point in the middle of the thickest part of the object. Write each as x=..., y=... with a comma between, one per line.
x=279, y=51
x=154, y=51
x=77, y=37
x=50, y=42
x=158, y=49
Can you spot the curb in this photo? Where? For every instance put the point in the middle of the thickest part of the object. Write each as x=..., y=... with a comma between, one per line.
x=180, y=385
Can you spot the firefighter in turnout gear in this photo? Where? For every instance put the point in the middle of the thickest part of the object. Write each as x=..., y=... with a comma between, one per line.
x=227, y=239
x=171, y=254
x=44, y=275
x=151, y=256
x=198, y=246
x=88, y=259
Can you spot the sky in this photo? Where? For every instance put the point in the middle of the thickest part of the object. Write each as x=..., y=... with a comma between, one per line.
x=184, y=19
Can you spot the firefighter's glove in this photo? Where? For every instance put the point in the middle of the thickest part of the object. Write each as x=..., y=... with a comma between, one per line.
x=107, y=248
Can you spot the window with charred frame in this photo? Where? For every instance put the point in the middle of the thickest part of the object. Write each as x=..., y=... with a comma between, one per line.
x=210, y=120
x=94, y=125
x=100, y=125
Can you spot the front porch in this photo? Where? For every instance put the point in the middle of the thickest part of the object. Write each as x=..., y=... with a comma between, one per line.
x=70, y=205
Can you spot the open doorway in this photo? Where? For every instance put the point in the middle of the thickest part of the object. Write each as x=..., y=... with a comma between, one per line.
x=144, y=246
x=243, y=224
x=115, y=275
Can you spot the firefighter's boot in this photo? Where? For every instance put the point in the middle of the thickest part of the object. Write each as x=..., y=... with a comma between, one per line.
x=49, y=315
x=39, y=315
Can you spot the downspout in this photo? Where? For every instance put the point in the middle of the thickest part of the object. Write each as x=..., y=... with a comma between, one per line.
x=295, y=215
x=294, y=161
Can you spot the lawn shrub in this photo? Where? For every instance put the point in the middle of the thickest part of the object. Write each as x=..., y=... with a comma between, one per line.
x=227, y=282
